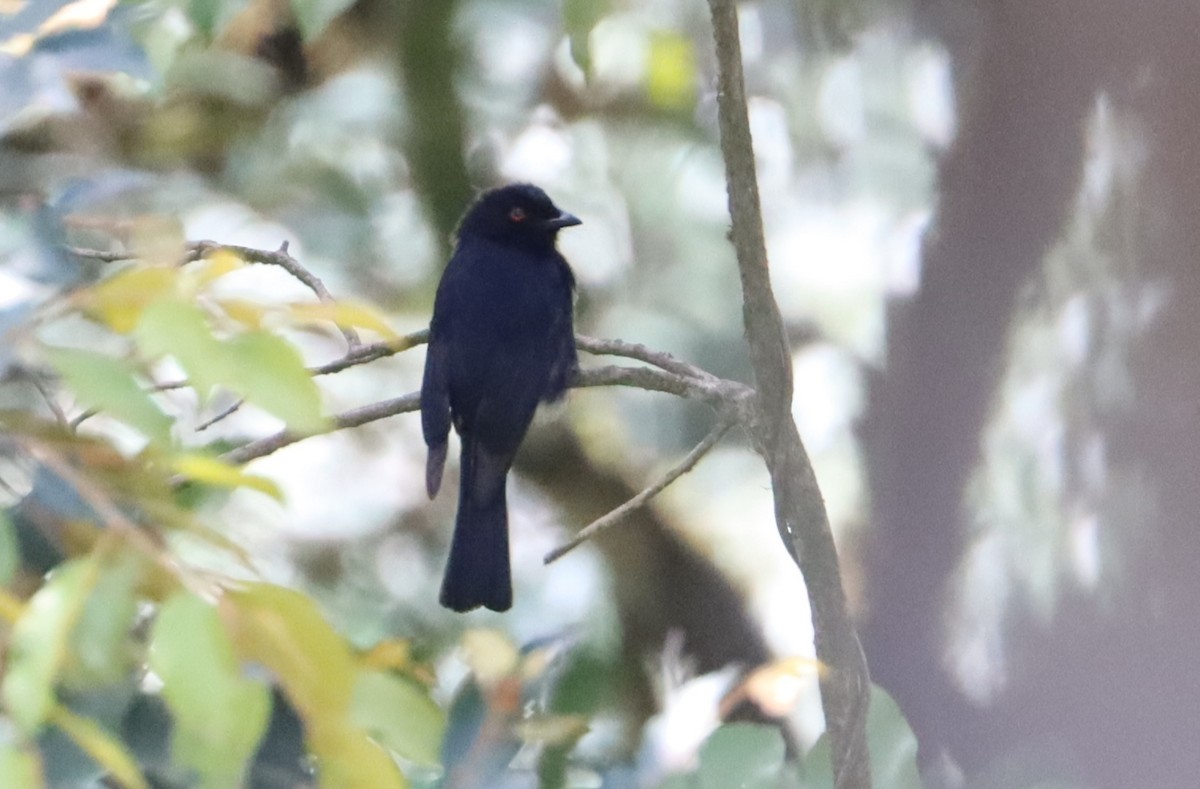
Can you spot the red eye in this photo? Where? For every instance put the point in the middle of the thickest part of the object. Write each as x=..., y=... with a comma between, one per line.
x=517, y=214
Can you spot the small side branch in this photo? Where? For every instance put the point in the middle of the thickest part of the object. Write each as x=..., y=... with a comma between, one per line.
x=642, y=499
x=197, y=250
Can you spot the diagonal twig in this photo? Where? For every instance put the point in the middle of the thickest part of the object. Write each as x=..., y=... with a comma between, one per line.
x=642, y=499
x=196, y=250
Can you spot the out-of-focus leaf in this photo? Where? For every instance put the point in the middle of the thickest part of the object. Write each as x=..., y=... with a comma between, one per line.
x=100, y=642
x=553, y=729
x=19, y=767
x=212, y=16
x=671, y=71
x=490, y=654
x=219, y=716
x=158, y=238
x=212, y=471
x=212, y=267
x=98, y=743
x=119, y=300
x=180, y=329
x=892, y=745
x=10, y=550
x=465, y=730
x=271, y=374
x=11, y=606
x=776, y=687
x=746, y=755
x=247, y=313
x=109, y=385
x=283, y=630
x=579, y=17
x=314, y=15
x=347, y=315
x=347, y=759
x=38, y=646
x=399, y=714
x=816, y=769
x=890, y=742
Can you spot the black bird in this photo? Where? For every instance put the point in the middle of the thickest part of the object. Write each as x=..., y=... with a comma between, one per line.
x=501, y=341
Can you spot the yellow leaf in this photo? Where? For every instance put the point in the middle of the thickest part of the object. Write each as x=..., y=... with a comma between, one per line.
x=247, y=313
x=490, y=655
x=347, y=315
x=671, y=71
x=284, y=631
x=211, y=471
x=120, y=300
x=395, y=654
x=218, y=264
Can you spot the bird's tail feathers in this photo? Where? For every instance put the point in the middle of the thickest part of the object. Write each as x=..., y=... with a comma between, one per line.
x=478, y=571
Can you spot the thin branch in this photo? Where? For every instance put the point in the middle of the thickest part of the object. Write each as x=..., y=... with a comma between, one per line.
x=363, y=354
x=60, y=415
x=196, y=250
x=729, y=398
x=224, y=413
x=642, y=499
x=353, y=418
x=640, y=352
x=100, y=255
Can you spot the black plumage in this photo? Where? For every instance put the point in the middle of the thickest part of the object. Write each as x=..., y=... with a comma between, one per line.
x=501, y=341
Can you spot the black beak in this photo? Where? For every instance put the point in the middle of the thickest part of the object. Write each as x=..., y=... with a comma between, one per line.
x=563, y=220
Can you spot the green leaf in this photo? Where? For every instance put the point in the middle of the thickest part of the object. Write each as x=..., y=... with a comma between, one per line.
x=100, y=648
x=180, y=329
x=816, y=769
x=220, y=717
x=270, y=373
x=284, y=631
x=314, y=15
x=20, y=767
x=892, y=745
x=401, y=715
x=10, y=551
x=109, y=385
x=39, y=643
x=98, y=743
x=579, y=17
x=745, y=755
x=212, y=16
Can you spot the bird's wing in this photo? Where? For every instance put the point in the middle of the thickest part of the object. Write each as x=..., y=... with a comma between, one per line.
x=565, y=361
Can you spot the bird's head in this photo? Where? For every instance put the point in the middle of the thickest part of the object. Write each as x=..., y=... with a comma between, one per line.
x=518, y=215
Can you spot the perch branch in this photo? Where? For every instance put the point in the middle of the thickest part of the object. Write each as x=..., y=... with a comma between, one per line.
x=642, y=499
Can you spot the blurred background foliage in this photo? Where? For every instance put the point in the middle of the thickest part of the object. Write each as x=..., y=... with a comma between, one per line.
x=981, y=222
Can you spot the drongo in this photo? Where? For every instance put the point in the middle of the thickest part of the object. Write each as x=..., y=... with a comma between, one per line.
x=501, y=341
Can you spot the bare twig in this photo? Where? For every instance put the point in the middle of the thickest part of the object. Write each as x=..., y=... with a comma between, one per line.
x=224, y=413
x=60, y=415
x=641, y=353
x=799, y=509
x=201, y=249
x=730, y=398
x=353, y=418
x=642, y=499
x=101, y=255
